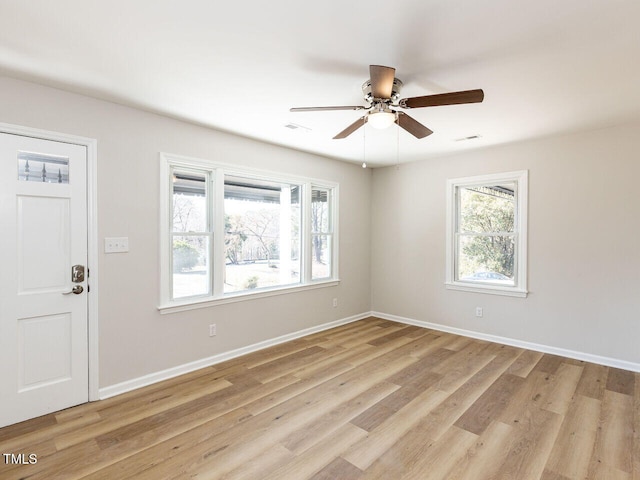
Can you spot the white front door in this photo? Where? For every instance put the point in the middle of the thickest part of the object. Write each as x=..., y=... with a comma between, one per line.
x=43, y=309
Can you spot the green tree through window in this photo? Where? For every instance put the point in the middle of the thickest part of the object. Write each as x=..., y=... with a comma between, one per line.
x=487, y=233
x=487, y=216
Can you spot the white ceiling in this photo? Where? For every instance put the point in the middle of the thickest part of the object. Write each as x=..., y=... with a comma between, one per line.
x=546, y=66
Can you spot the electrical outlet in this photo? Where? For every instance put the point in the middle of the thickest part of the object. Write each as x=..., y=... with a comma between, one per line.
x=478, y=311
x=335, y=302
x=212, y=330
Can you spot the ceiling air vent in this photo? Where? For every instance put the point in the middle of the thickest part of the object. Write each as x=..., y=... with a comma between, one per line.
x=295, y=126
x=471, y=137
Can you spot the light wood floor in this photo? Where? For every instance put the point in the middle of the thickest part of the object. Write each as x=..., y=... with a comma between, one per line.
x=369, y=400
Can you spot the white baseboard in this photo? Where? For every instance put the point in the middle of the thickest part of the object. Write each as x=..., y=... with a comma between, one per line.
x=151, y=378
x=587, y=357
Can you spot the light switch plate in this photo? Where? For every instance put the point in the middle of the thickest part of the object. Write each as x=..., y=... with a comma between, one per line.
x=116, y=244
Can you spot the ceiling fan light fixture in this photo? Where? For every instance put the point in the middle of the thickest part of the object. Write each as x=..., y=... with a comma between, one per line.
x=381, y=119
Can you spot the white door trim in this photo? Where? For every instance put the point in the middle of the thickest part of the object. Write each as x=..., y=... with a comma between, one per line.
x=92, y=235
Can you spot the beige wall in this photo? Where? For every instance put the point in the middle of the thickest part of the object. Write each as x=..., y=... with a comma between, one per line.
x=584, y=234
x=584, y=266
x=135, y=339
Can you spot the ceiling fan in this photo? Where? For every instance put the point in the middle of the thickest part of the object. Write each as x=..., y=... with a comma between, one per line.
x=382, y=91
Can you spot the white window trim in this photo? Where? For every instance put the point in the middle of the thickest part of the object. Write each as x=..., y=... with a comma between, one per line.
x=520, y=288
x=218, y=297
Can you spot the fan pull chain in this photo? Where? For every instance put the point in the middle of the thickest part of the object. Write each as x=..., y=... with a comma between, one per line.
x=364, y=145
x=398, y=141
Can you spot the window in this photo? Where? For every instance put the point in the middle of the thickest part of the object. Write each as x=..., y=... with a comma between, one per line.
x=321, y=236
x=228, y=232
x=487, y=234
x=191, y=233
x=262, y=233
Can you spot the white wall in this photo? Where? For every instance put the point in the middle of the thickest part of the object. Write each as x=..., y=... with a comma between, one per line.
x=135, y=339
x=584, y=255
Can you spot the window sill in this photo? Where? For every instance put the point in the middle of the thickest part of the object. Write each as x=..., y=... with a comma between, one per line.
x=192, y=304
x=490, y=289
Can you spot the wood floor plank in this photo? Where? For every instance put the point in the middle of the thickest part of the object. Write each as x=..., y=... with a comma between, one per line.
x=614, y=443
x=417, y=460
x=621, y=381
x=45, y=435
x=68, y=463
x=139, y=417
x=402, y=332
x=491, y=403
x=417, y=374
x=271, y=459
x=533, y=439
x=132, y=465
x=484, y=458
x=566, y=381
x=348, y=340
x=429, y=341
x=447, y=412
x=457, y=343
x=311, y=433
x=593, y=381
x=461, y=366
x=122, y=443
x=316, y=458
x=438, y=461
x=549, y=475
x=336, y=361
x=543, y=390
x=275, y=353
x=388, y=406
x=338, y=469
x=288, y=363
x=365, y=452
x=549, y=363
x=375, y=352
x=368, y=399
x=525, y=362
x=575, y=443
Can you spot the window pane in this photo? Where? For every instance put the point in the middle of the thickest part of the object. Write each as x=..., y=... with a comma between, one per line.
x=320, y=210
x=262, y=233
x=321, y=257
x=485, y=209
x=191, y=266
x=189, y=202
x=486, y=258
x=40, y=167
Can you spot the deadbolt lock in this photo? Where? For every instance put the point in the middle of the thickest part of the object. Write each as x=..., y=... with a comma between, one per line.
x=77, y=273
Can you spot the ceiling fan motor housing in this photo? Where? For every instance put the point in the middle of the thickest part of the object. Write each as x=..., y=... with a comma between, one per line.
x=395, y=92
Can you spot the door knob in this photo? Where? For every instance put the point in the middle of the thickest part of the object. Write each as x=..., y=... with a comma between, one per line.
x=77, y=290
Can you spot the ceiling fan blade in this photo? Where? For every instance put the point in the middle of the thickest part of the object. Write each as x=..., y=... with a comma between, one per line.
x=351, y=128
x=412, y=126
x=319, y=109
x=453, y=98
x=381, y=81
